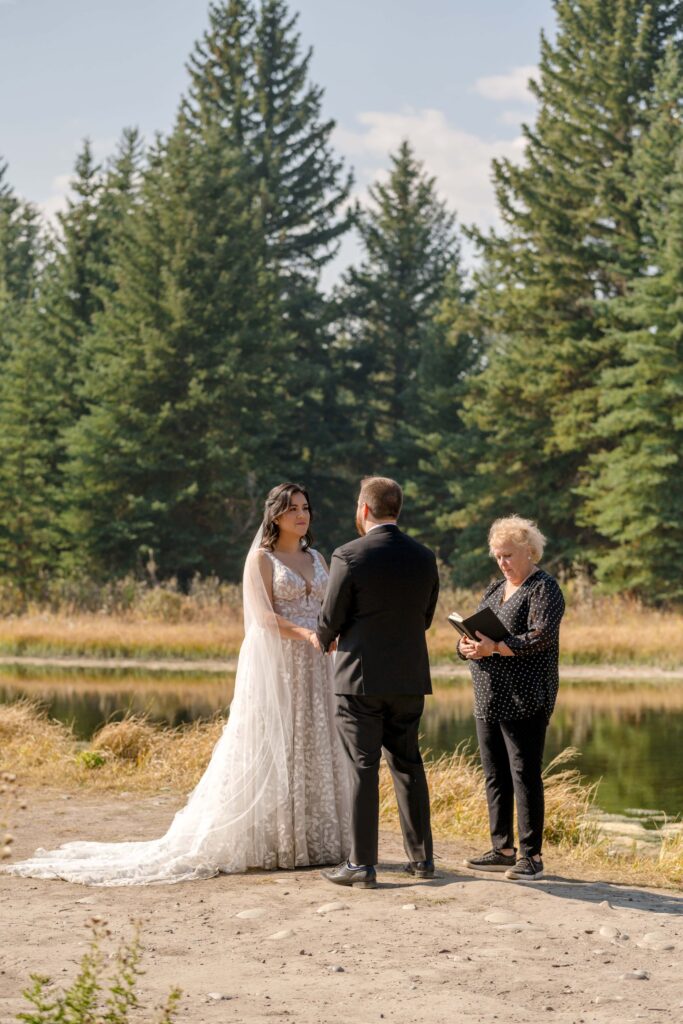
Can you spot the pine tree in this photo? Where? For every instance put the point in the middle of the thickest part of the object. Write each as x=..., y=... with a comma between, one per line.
x=437, y=484
x=571, y=241
x=178, y=428
x=21, y=250
x=30, y=537
x=249, y=75
x=393, y=350
x=635, y=494
x=40, y=396
x=80, y=271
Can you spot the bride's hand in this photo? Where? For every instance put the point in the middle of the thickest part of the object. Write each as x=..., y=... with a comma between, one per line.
x=332, y=648
x=312, y=639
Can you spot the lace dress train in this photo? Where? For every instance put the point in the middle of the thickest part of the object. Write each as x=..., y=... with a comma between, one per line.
x=275, y=793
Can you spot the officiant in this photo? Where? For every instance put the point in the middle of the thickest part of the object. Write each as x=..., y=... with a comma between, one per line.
x=515, y=687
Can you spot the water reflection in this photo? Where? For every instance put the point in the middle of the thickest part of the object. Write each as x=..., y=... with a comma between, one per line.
x=630, y=736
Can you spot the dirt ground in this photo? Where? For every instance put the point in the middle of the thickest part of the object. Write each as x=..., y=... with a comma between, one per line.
x=459, y=948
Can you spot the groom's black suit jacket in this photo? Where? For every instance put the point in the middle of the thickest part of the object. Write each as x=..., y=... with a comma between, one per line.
x=380, y=599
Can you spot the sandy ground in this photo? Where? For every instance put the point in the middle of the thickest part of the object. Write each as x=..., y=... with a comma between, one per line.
x=458, y=948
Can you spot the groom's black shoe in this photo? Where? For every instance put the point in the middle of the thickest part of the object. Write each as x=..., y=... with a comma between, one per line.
x=364, y=877
x=421, y=868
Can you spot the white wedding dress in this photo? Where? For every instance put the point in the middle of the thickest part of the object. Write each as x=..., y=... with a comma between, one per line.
x=275, y=793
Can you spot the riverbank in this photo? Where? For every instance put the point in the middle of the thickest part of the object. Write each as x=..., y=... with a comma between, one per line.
x=133, y=757
x=441, y=670
x=595, y=631
x=462, y=946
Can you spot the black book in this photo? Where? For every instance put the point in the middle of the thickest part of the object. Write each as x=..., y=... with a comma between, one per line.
x=485, y=621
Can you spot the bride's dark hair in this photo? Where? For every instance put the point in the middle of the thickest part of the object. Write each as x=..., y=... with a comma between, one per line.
x=277, y=502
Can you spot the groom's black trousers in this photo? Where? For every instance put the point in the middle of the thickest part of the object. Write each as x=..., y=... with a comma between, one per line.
x=366, y=725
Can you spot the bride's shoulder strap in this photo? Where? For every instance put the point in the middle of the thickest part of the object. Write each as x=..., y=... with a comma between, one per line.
x=316, y=554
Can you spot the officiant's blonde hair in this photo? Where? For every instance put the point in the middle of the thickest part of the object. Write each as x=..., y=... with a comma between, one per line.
x=520, y=532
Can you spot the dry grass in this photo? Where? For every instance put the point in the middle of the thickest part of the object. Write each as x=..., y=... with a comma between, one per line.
x=130, y=739
x=595, y=630
x=133, y=756
x=121, y=637
x=458, y=801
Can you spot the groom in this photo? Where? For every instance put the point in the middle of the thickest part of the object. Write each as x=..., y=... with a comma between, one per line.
x=380, y=599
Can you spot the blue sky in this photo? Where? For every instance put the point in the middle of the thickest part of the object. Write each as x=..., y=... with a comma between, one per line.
x=449, y=74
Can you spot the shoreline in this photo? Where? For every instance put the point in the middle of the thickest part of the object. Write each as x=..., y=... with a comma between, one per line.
x=597, y=672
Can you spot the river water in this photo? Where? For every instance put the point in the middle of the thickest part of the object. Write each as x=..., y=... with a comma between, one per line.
x=629, y=735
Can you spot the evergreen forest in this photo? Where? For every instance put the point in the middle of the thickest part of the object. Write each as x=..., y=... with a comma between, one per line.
x=169, y=354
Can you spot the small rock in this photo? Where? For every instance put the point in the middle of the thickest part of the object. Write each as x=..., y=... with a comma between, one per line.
x=501, y=917
x=217, y=997
x=657, y=942
x=251, y=915
x=608, y=931
x=336, y=969
x=608, y=999
x=330, y=908
x=286, y=933
x=598, y=952
x=605, y=905
x=637, y=974
x=86, y=899
x=409, y=906
x=548, y=1008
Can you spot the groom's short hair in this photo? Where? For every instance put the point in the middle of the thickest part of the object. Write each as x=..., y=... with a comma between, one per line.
x=383, y=496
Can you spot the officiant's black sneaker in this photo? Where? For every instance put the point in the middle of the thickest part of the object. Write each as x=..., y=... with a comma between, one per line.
x=494, y=860
x=526, y=870
x=420, y=868
x=363, y=877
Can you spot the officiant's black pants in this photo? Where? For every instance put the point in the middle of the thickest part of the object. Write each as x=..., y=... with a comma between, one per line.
x=368, y=725
x=512, y=759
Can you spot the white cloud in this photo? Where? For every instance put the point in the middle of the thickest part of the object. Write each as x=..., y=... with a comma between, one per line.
x=514, y=117
x=459, y=160
x=56, y=200
x=511, y=87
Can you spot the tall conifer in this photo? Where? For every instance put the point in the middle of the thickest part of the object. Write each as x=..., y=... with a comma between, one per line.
x=20, y=253
x=571, y=241
x=635, y=492
x=167, y=456
x=251, y=75
x=392, y=347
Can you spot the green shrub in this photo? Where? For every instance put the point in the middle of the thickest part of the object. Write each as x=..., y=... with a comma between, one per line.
x=91, y=758
x=93, y=997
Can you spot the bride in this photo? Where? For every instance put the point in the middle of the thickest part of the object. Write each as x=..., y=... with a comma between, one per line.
x=275, y=792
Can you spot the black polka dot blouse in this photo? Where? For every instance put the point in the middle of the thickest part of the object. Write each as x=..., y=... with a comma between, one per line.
x=526, y=684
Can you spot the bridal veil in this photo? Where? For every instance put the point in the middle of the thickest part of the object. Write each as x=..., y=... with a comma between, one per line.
x=233, y=817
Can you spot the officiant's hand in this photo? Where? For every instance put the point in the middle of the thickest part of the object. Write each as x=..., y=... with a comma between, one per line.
x=486, y=646
x=476, y=650
x=469, y=649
